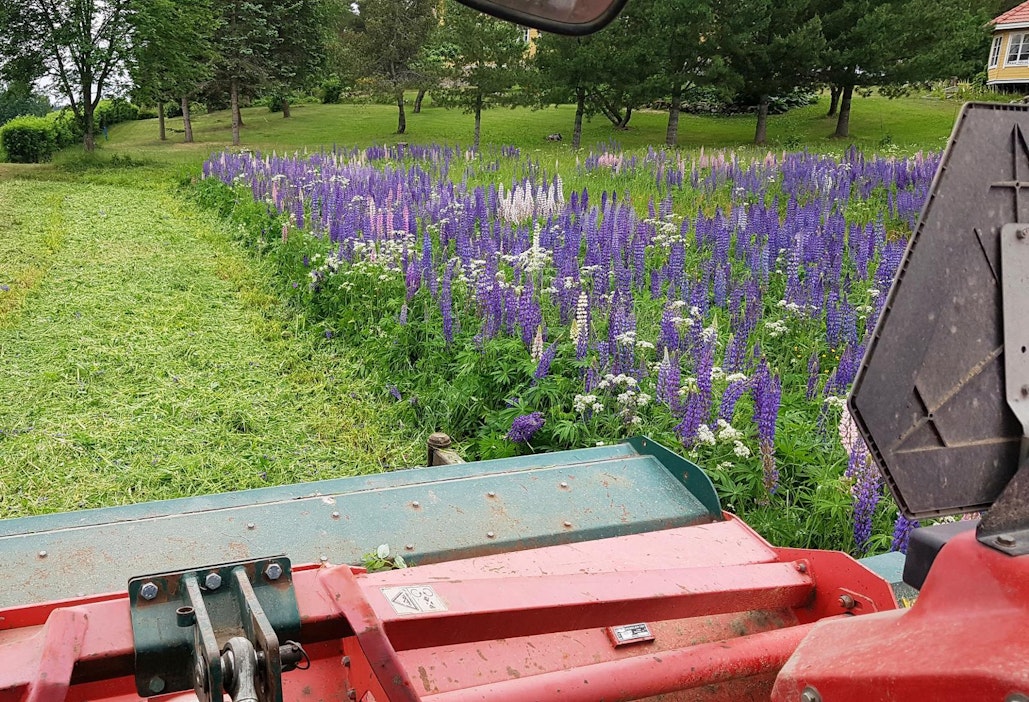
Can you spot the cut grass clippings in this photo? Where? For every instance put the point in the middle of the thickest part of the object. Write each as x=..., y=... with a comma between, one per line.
x=145, y=357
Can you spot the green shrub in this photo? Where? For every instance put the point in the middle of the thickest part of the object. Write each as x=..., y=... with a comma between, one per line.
x=149, y=112
x=110, y=112
x=331, y=90
x=67, y=128
x=29, y=139
x=174, y=109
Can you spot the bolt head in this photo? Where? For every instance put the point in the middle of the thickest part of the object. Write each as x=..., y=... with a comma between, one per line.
x=213, y=581
x=409, y=547
x=491, y=494
x=568, y=524
x=564, y=485
x=415, y=504
x=810, y=694
x=335, y=515
x=156, y=684
x=1006, y=540
x=148, y=591
x=251, y=526
x=847, y=602
x=273, y=571
x=490, y=534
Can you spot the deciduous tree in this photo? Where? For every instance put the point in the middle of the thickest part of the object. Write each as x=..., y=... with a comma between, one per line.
x=79, y=45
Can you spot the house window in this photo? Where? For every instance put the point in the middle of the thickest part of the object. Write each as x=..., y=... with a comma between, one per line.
x=995, y=53
x=1018, y=50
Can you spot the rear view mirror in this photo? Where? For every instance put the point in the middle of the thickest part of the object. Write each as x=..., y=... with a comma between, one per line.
x=572, y=17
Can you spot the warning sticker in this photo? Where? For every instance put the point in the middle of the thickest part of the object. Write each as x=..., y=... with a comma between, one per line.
x=630, y=633
x=414, y=599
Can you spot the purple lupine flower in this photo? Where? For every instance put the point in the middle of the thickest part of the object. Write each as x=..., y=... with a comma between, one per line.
x=812, y=376
x=767, y=393
x=669, y=380
x=902, y=533
x=733, y=392
x=545, y=360
x=394, y=392
x=525, y=426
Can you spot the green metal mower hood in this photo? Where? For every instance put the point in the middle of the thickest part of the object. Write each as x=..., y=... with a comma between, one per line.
x=427, y=515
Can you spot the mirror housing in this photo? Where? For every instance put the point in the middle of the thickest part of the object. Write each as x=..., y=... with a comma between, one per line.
x=568, y=17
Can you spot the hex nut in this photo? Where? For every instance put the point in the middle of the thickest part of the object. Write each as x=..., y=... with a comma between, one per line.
x=148, y=591
x=213, y=581
x=273, y=571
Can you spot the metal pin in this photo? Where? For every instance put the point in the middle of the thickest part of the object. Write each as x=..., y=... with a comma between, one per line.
x=847, y=602
x=409, y=547
x=564, y=485
x=250, y=525
x=415, y=504
x=490, y=534
x=335, y=515
x=42, y=554
x=491, y=494
x=802, y=567
x=1006, y=540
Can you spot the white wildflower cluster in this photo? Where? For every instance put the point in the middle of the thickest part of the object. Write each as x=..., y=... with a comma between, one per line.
x=835, y=401
x=776, y=328
x=735, y=377
x=629, y=339
x=874, y=293
x=740, y=449
x=709, y=333
x=535, y=258
x=524, y=202
x=726, y=431
x=667, y=230
x=790, y=306
x=705, y=435
x=584, y=403
x=688, y=385
x=616, y=381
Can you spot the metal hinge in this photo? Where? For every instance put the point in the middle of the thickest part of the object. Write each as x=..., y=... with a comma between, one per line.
x=228, y=628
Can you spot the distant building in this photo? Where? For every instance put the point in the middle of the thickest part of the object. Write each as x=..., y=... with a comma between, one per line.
x=1008, y=64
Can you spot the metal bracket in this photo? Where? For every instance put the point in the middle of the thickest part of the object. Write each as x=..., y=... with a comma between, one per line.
x=182, y=620
x=1005, y=526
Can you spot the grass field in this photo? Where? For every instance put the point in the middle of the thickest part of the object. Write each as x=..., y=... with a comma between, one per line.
x=908, y=124
x=146, y=356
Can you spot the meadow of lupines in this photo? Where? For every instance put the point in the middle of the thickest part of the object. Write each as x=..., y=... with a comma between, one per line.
x=716, y=303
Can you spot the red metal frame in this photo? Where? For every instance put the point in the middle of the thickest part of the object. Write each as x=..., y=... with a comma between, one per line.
x=963, y=639
x=726, y=611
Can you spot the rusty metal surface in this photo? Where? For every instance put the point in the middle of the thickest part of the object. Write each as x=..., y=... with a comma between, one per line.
x=426, y=514
x=930, y=395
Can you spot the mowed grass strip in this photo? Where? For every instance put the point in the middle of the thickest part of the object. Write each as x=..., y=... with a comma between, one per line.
x=146, y=358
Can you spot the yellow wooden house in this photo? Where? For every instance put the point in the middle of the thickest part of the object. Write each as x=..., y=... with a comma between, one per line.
x=1008, y=65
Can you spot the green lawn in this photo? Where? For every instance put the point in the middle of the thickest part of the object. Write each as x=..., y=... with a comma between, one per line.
x=145, y=357
x=909, y=123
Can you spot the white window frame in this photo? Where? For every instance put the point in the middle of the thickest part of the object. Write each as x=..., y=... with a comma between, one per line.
x=995, y=52
x=1018, y=43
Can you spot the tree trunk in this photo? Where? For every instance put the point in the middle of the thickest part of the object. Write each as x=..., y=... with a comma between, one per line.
x=672, y=133
x=187, y=123
x=89, y=138
x=418, y=101
x=236, y=121
x=761, y=134
x=624, y=122
x=843, y=122
x=834, y=100
x=401, y=116
x=478, y=122
x=160, y=120
x=580, y=107
x=285, y=108
x=606, y=109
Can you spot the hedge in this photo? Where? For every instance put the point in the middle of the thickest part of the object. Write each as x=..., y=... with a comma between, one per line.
x=29, y=139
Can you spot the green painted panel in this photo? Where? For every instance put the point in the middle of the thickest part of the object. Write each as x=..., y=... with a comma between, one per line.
x=426, y=514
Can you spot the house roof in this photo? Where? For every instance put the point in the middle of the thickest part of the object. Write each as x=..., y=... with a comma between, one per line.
x=1016, y=15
